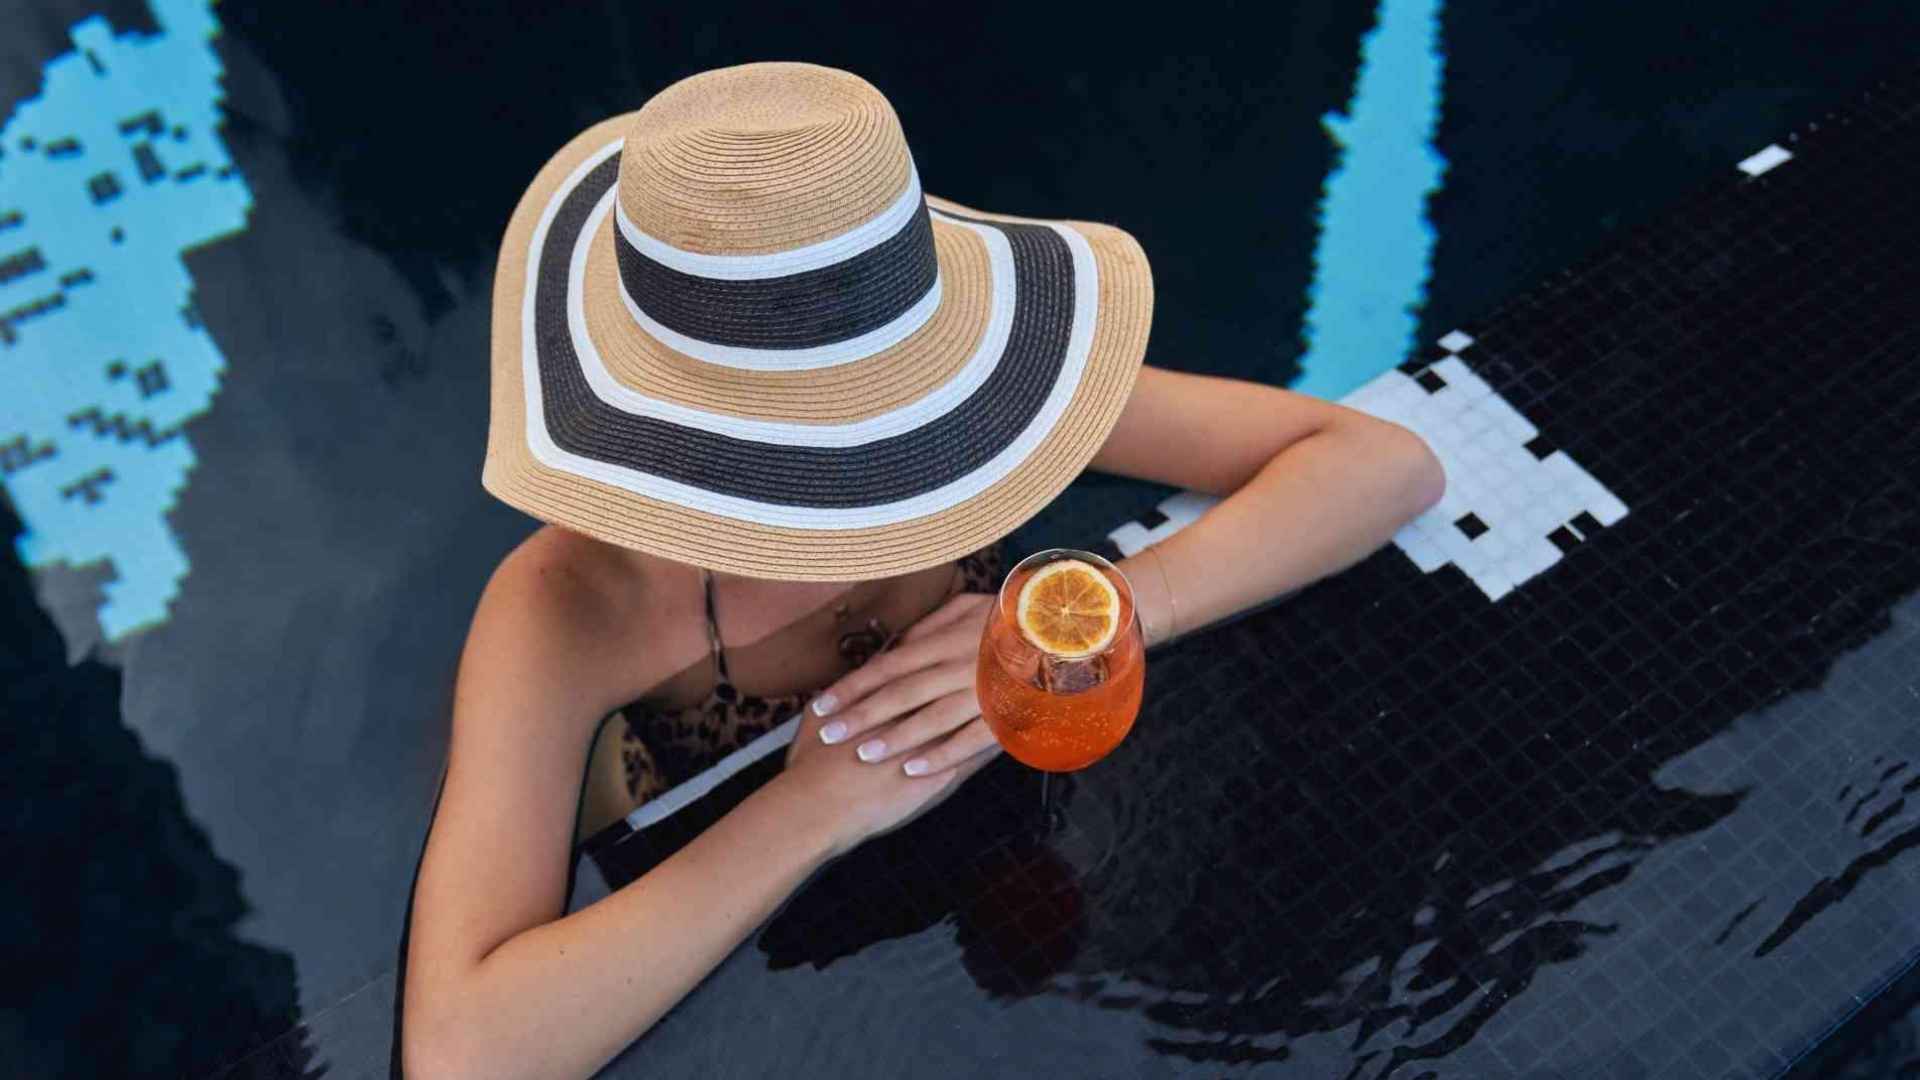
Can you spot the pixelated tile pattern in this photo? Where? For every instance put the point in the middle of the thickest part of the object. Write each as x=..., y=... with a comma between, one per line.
x=109, y=175
x=1518, y=492
x=1173, y=514
x=1506, y=496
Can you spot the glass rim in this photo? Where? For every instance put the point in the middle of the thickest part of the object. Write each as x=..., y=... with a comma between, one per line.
x=1055, y=555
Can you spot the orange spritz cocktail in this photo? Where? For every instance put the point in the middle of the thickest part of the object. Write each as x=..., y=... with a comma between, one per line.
x=1062, y=664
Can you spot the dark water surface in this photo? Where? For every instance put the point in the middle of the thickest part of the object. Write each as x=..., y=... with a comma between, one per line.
x=1653, y=814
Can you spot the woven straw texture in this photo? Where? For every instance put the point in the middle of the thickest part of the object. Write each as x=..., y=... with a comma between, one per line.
x=710, y=166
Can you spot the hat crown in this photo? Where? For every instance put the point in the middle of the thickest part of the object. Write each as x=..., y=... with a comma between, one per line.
x=762, y=158
x=732, y=330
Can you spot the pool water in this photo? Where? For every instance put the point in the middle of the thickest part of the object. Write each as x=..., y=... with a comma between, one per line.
x=243, y=325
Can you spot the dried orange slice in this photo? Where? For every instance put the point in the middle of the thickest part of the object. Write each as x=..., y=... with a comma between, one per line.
x=1068, y=608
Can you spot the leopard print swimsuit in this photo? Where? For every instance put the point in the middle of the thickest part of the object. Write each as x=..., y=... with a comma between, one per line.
x=661, y=748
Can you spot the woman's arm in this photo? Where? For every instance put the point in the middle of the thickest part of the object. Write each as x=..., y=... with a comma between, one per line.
x=499, y=983
x=1310, y=488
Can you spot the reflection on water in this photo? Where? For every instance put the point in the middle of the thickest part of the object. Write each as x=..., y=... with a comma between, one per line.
x=1436, y=953
x=1027, y=921
x=1829, y=891
x=1018, y=903
x=1335, y=933
x=118, y=170
x=1372, y=256
x=1357, y=900
x=121, y=952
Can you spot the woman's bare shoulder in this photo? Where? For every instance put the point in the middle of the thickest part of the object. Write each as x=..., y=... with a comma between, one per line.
x=570, y=579
x=566, y=608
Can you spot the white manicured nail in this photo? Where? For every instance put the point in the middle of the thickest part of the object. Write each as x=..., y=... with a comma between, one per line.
x=825, y=704
x=916, y=767
x=872, y=750
x=833, y=733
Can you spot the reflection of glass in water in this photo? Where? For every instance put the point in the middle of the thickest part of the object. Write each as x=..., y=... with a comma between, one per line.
x=1057, y=713
x=1027, y=922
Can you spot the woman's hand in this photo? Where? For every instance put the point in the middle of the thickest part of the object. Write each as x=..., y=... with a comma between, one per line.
x=915, y=704
x=897, y=735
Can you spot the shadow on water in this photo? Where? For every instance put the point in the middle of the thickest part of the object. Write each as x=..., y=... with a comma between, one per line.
x=39, y=30
x=119, y=936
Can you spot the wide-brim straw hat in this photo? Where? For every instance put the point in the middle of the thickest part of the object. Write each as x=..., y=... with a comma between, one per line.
x=730, y=329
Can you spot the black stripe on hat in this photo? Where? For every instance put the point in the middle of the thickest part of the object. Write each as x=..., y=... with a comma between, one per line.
x=795, y=311
x=885, y=470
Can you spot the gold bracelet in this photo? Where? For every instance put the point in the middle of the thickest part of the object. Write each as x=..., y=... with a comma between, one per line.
x=1173, y=607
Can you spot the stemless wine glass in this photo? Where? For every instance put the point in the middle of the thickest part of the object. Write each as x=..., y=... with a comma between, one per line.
x=1061, y=711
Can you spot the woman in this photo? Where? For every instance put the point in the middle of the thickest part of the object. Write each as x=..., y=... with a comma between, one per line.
x=775, y=404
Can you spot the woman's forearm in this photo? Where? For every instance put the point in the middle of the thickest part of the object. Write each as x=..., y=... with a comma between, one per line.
x=561, y=999
x=1316, y=508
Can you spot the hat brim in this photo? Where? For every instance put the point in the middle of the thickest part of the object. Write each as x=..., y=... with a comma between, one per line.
x=598, y=427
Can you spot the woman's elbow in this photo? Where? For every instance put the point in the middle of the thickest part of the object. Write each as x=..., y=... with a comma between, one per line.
x=1419, y=479
x=427, y=1056
x=440, y=1048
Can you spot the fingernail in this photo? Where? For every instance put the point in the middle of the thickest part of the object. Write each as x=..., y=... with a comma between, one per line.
x=871, y=750
x=825, y=704
x=833, y=733
x=916, y=767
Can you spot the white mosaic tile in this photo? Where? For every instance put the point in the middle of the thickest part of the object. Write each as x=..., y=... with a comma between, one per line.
x=1765, y=159
x=1179, y=511
x=1481, y=441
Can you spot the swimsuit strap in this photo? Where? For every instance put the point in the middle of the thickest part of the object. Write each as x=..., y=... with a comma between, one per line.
x=713, y=630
